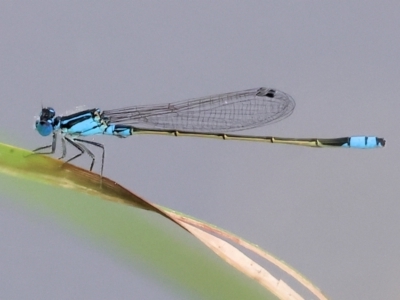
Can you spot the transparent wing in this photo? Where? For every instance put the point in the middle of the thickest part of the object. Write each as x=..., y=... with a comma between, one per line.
x=223, y=112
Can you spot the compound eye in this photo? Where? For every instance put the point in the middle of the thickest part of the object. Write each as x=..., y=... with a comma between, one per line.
x=44, y=127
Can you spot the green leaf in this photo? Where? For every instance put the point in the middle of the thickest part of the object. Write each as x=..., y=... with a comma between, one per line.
x=141, y=238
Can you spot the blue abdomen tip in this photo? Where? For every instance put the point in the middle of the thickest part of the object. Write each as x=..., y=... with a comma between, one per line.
x=365, y=142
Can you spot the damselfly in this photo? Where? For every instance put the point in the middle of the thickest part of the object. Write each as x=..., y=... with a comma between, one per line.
x=210, y=117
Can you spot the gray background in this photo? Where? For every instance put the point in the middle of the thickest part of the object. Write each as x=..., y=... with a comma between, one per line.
x=333, y=214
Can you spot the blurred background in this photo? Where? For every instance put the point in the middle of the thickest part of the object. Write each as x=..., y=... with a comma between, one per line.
x=333, y=214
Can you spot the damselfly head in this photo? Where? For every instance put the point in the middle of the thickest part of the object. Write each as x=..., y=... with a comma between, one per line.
x=44, y=125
